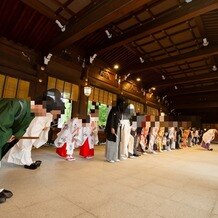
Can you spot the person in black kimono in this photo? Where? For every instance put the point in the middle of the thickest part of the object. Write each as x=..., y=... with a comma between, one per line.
x=112, y=131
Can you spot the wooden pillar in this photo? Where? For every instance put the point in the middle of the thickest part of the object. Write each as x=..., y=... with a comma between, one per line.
x=81, y=106
x=41, y=83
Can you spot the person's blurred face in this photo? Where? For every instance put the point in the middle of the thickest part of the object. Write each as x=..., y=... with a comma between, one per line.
x=38, y=110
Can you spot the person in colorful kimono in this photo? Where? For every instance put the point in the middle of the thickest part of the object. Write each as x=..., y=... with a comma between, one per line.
x=143, y=139
x=185, y=137
x=159, y=138
x=152, y=139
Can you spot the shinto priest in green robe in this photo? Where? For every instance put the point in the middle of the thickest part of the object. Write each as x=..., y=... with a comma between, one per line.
x=15, y=117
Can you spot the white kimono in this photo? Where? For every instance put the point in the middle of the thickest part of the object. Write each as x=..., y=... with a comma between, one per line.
x=209, y=136
x=39, y=127
x=71, y=134
x=125, y=137
x=172, y=137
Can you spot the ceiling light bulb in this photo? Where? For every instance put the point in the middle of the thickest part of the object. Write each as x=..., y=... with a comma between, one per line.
x=176, y=87
x=42, y=67
x=188, y=1
x=116, y=66
x=138, y=79
x=205, y=42
x=163, y=77
x=214, y=68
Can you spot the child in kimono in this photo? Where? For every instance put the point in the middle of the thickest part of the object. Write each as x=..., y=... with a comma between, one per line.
x=90, y=137
x=69, y=138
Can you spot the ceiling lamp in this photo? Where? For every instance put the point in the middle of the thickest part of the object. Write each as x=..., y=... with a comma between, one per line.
x=164, y=97
x=87, y=89
x=42, y=68
x=126, y=76
x=92, y=58
x=205, y=42
x=163, y=77
x=63, y=28
x=214, y=68
x=116, y=66
x=109, y=35
x=175, y=87
x=138, y=79
x=141, y=60
x=119, y=80
x=188, y=1
x=47, y=58
x=153, y=88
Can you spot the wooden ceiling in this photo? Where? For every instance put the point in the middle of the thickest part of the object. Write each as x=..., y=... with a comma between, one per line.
x=160, y=41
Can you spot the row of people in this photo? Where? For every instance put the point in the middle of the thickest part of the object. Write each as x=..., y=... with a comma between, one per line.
x=124, y=138
x=123, y=143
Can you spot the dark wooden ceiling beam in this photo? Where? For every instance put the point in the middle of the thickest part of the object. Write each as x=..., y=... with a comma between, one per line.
x=194, y=90
x=199, y=78
x=43, y=9
x=196, y=105
x=193, y=55
x=181, y=14
x=101, y=15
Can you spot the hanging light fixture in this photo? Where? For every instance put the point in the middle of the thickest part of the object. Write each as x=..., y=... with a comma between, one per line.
x=109, y=35
x=87, y=89
x=62, y=27
x=205, y=42
x=141, y=59
x=214, y=68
